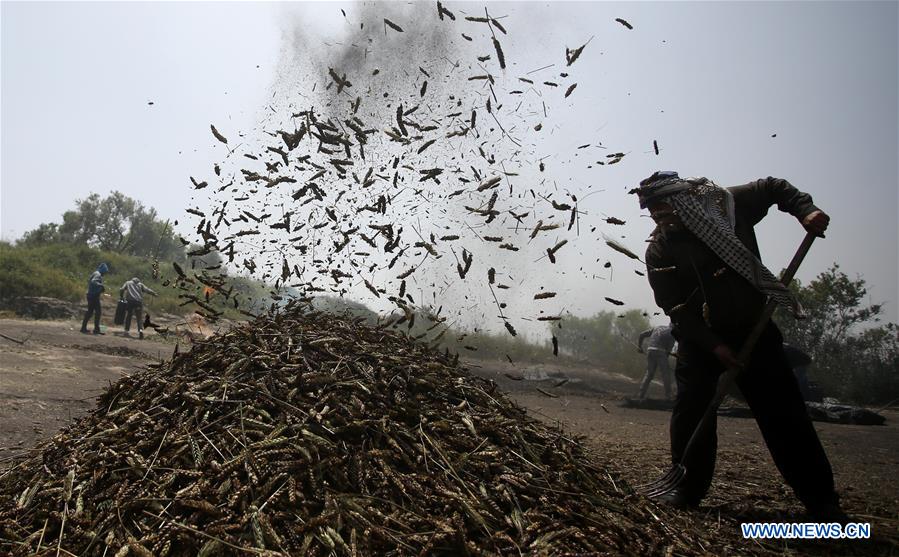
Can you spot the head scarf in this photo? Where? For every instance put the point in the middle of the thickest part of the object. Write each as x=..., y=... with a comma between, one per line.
x=707, y=211
x=661, y=184
x=103, y=268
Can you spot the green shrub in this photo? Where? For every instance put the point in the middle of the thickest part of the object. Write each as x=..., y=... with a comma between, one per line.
x=854, y=357
x=61, y=270
x=23, y=275
x=604, y=340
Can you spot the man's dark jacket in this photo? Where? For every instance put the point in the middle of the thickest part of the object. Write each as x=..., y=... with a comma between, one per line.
x=684, y=272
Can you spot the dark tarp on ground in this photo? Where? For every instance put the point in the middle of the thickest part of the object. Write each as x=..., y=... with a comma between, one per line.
x=843, y=414
x=818, y=411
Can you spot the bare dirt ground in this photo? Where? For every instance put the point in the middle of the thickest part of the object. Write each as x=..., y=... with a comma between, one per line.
x=633, y=445
x=55, y=375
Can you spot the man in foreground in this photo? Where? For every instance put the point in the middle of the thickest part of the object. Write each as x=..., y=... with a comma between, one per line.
x=132, y=292
x=95, y=289
x=704, y=267
x=660, y=344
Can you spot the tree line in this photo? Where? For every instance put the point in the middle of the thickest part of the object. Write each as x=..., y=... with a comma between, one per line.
x=855, y=355
x=116, y=223
x=55, y=259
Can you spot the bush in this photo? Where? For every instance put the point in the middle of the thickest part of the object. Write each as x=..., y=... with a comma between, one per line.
x=854, y=358
x=22, y=275
x=499, y=346
x=605, y=340
x=344, y=307
x=61, y=270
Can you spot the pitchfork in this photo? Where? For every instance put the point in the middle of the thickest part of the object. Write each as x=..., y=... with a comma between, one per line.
x=675, y=476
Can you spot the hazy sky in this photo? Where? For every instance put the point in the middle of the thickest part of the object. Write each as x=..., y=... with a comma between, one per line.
x=711, y=82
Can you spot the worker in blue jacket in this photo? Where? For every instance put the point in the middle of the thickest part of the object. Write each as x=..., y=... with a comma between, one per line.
x=94, y=289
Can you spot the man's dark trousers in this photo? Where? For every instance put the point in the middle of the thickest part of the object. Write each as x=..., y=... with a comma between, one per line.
x=93, y=308
x=773, y=395
x=135, y=309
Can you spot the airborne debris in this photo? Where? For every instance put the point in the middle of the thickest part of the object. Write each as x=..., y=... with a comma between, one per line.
x=441, y=11
x=371, y=179
x=572, y=55
x=621, y=249
x=499, y=54
x=218, y=135
x=392, y=25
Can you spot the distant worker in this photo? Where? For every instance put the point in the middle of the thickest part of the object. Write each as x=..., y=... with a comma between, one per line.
x=799, y=361
x=94, y=289
x=661, y=342
x=132, y=293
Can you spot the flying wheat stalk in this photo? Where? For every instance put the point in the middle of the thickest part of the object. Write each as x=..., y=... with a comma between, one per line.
x=621, y=249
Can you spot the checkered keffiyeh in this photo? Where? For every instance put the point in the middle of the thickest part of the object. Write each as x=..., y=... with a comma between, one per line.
x=707, y=211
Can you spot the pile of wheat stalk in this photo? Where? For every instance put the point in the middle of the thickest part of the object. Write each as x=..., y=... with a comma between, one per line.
x=302, y=433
